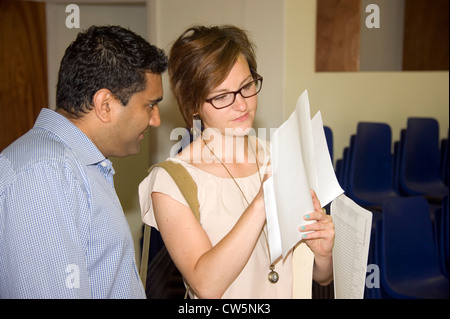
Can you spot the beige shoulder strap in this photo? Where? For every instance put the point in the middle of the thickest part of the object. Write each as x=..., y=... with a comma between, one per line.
x=188, y=189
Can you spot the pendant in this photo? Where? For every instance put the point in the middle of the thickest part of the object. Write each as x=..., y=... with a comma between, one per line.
x=273, y=275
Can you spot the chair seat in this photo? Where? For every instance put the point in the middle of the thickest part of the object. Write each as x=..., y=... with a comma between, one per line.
x=434, y=287
x=409, y=263
x=372, y=198
x=428, y=188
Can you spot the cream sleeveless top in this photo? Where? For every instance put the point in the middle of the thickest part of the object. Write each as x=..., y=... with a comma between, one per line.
x=221, y=205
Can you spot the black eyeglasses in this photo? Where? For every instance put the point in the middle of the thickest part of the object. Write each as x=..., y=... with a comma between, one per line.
x=226, y=99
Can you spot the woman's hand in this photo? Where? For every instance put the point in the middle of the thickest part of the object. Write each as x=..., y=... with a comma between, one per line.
x=321, y=240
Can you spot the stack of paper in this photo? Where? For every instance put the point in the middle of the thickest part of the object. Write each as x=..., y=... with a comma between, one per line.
x=352, y=225
x=300, y=161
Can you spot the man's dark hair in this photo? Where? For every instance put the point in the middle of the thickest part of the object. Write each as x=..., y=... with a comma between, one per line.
x=108, y=57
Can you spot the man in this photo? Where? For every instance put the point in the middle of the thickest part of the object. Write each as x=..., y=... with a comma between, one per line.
x=63, y=233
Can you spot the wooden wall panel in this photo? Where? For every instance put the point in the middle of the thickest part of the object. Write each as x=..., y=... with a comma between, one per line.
x=426, y=35
x=23, y=67
x=338, y=35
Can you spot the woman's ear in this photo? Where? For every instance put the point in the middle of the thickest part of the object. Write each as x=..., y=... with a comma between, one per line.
x=102, y=100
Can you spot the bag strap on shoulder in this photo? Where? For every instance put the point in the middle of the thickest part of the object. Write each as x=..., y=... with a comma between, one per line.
x=184, y=182
x=188, y=189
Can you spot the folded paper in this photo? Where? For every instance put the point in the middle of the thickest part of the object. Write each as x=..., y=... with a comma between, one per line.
x=300, y=161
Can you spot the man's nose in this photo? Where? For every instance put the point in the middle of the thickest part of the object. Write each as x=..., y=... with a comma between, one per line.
x=155, y=119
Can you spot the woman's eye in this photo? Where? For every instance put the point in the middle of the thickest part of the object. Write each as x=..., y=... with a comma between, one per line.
x=220, y=97
x=248, y=86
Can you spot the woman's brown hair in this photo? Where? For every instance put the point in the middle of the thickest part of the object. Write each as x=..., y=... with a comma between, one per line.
x=200, y=60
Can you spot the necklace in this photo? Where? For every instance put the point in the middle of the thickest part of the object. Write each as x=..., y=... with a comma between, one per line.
x=273, y=275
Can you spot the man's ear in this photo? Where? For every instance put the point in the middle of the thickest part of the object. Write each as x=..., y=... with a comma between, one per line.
x=102, y=104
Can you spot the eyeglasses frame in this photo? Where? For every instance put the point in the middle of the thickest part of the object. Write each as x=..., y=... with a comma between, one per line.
x=258, y=78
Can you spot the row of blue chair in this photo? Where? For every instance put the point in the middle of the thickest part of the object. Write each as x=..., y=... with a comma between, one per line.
x=410, y=233
x=370, y=173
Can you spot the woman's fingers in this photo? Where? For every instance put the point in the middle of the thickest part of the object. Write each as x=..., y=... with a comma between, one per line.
x=316, y=202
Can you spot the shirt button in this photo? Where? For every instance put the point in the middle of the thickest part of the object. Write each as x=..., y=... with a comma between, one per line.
x=103, y=164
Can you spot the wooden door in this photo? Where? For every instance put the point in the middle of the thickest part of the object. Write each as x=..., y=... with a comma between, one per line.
x=338, y=35
x=425, y=45
x=23, y=67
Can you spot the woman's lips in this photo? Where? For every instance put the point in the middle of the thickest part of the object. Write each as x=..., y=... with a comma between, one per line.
x=242, y=118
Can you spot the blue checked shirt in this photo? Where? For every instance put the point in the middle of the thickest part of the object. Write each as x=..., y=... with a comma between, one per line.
x=63, y=233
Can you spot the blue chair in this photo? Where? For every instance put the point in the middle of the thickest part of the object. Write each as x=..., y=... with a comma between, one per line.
x=376, y=257
x=409, y=265
x=344, y=167
x=347, y=162
x=420, y=160
x=339, y=170
x=371, y=167
x=442, y=235
x=444, y=160
x=329, y=138
x=398, y=146
x=445, y=232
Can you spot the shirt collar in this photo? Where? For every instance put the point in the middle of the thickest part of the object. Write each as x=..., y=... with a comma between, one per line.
x=71, y=135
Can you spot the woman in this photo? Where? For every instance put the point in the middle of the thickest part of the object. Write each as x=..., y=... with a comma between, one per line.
x=214, y=78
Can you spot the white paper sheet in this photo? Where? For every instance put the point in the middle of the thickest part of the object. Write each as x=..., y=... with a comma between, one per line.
x=352, y=225
x=300, y=162
x=273, y=227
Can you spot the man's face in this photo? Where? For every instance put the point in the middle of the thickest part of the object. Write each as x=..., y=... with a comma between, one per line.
x=131, y=121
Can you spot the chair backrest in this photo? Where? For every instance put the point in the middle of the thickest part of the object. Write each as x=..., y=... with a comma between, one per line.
x=408, y=243
x=339, y=170
x=445, y=229
x=329, y=138
x=444, y=160
x=420, y=159
x=347, y=163
x=372, y=157
x=371, y=164
x=398, y=147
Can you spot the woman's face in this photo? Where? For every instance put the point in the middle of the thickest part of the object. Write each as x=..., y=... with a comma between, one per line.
x=236, y=119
